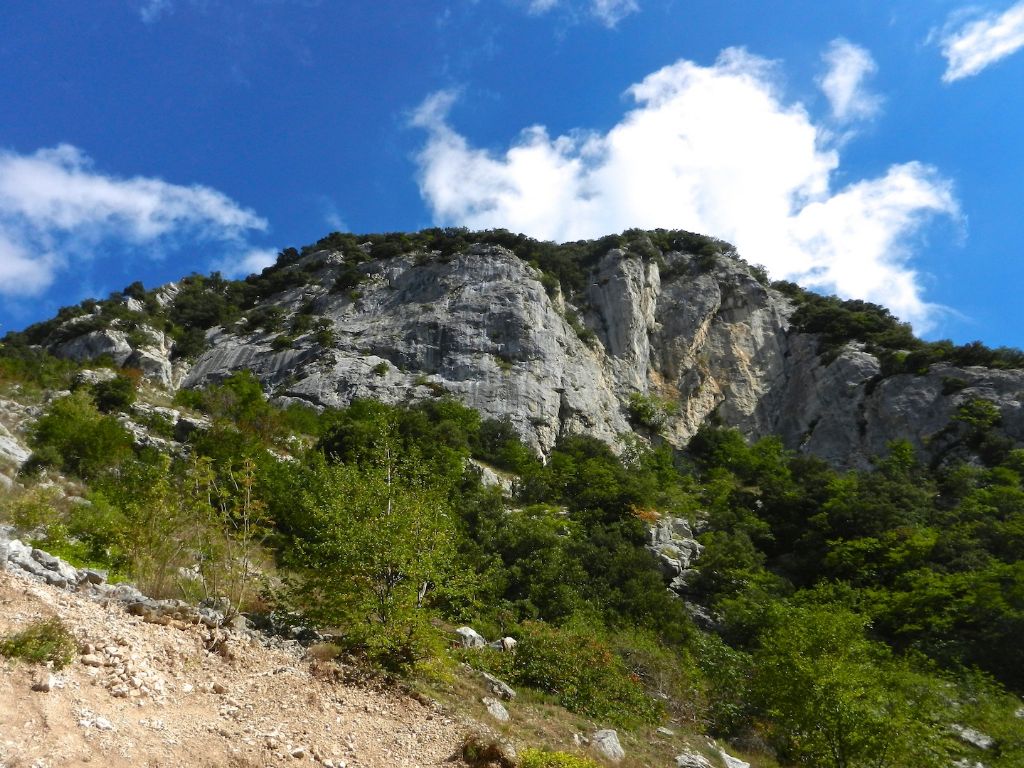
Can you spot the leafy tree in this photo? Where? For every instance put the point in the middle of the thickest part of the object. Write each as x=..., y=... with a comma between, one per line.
x=379, y=539
x=839, y=700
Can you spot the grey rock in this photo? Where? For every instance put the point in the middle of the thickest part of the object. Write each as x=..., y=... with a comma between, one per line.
x=495, y=709
x=671, y=540
x=467, y=637
x=692, y=759
x=94, y=344
x=666, y=732
x=730, y=761
x=706, y=337
x=972, y=736
x=498, y=687
x=95, y=376
x=606, y=744
x=92, y=576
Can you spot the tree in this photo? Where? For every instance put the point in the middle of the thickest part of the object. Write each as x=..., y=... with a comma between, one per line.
x=377, y=540
x=839, y=700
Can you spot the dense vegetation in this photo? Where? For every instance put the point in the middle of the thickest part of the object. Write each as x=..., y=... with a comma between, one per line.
x=857, y=614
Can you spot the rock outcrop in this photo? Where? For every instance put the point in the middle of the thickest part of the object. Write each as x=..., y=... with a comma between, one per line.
x=692, y=338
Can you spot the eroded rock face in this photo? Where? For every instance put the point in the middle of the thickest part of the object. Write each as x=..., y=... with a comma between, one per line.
x=704, y=339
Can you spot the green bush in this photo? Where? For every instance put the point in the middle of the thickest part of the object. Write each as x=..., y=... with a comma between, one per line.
x=116, y=394
x=75, y=437
x=650, y=411
x=583, y=673
x=537, y=758
x=43, y=641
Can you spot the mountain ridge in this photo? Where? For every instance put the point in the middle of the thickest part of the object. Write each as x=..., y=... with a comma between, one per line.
x=642, y=333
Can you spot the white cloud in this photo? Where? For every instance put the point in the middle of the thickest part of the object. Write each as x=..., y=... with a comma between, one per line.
x=248, y=262
x=56, y=208
x=608, y=12
x=984, y=41
x=843, y=83
x=541, y=6
x=611, y=12
x=151, y=10
x=709, y=149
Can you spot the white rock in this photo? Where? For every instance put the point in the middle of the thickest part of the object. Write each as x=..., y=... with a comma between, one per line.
x=730, y=761
x=495, y=709
x=103, y=724
x=973, y=736
x=606, y=743
x=470, y=638
x=691, y=759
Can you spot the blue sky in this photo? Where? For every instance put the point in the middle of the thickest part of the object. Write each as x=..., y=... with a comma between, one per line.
x=873, y=149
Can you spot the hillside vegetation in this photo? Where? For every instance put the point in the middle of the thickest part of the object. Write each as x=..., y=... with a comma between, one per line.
x=840, y=619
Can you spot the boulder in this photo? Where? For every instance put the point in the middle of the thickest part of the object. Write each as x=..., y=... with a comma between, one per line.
x=606, y=744
x=691, y=759
x=467, y=637
x=730, y=761
x=972, y=736
x=498, y=687
x=495, y=709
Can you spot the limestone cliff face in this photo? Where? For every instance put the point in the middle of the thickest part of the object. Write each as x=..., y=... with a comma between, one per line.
x=698, y=338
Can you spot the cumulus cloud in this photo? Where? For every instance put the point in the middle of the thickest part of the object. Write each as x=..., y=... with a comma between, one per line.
x=713, y=149
x=843, y=84
x=55, y=207
x=971, y=47
x=252, y=261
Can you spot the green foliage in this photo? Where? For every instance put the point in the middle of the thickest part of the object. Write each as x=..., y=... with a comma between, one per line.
x=33, y=367
x=381, y=369
x=536, y=758
x=377, y=540
x=32, y=510
x=839, y=700
x=585, y=334
x=42, y=642
x=116, y=394
x=841, y=321
x=650, y=411
x=582, y=673
x=73, y=436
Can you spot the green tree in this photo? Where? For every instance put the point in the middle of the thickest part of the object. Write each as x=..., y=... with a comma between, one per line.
x=378, y=540
x=839, y=700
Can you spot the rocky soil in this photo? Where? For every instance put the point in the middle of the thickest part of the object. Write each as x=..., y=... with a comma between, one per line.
x=145, y=694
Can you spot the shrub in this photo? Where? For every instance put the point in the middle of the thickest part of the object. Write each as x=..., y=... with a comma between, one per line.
x=116, y=394
x=650, y=411
x=381, y=369
x=537, y=758
x=43, y=641
x=75, y=437
x=583, y=673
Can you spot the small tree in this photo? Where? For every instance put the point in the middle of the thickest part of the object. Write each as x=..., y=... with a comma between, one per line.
x=379, y=538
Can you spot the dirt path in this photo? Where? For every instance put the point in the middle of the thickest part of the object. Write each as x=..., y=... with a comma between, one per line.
x=143, y=694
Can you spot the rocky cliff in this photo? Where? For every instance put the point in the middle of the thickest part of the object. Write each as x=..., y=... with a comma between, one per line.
x=655, y=344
